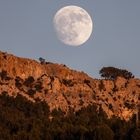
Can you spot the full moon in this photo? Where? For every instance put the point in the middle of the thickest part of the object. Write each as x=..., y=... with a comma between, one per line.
x=73, y=25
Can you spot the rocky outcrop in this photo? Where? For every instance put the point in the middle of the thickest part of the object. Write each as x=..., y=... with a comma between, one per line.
x=67, y=89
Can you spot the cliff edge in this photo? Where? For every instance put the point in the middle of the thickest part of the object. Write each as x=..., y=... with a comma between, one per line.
x=67, y=89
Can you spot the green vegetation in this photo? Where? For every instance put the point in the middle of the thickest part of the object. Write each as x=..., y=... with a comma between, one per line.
x=22, y=119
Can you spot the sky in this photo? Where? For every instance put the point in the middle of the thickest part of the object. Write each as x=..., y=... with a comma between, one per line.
x=26, y=30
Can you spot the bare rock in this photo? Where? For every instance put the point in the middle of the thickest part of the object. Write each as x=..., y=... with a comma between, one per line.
x=67, y=89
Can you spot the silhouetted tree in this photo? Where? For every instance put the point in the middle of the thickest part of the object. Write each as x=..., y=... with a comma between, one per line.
x=113, y=73
x=42, y=60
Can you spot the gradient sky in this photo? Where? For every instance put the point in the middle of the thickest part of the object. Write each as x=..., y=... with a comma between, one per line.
x=26, y=30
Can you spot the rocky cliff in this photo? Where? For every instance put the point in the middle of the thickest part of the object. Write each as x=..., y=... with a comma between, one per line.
x=67, y=89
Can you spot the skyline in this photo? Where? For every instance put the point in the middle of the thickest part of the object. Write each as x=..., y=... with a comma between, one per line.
x=26, y=30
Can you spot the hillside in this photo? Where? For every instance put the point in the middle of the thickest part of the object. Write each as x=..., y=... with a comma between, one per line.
x=67, y=89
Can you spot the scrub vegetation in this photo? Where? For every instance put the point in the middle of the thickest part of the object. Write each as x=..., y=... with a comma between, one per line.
x=22, y=119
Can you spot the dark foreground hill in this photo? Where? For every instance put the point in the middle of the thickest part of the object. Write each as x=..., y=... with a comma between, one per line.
x=21, y=119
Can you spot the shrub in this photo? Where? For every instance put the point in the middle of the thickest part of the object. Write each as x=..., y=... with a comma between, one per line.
x=38, y=86
x=86, y=81
x=4, y=75
x=67, y=82
x=115, y=89
x=80, y=95
x=110, y=106
x=29, y=81
x=129, y=105
x=114, y=98
x=81, y=102
x=31, y=92
x=18, y=82
x=4, y=93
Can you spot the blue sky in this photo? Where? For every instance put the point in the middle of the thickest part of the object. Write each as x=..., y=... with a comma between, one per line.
x=26, y=30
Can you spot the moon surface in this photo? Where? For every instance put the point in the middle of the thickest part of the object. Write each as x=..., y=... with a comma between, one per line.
x=73, y=25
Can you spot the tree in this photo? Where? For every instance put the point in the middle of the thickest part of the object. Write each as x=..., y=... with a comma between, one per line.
x=42, y=60
x=113, y=73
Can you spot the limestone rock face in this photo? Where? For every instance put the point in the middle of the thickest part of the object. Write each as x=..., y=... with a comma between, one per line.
x=67, y=89
x=22, y=67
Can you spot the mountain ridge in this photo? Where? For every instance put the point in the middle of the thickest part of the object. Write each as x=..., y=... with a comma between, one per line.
x=67, y=89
